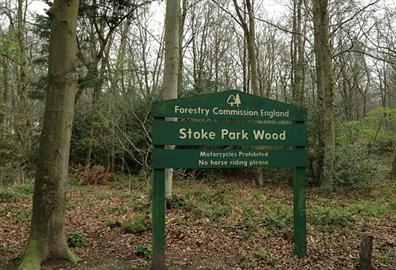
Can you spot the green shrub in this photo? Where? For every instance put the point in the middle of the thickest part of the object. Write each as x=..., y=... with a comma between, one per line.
x=277, y=217
x=328, y=218
x=392, y=206
x=15, y=192
x=142, y=251
x=76, y=239
x=213, y=212
x=25, y=189
x=278, y=222
x=7, y=195
x=102, y=195
x=138, y=224
x=23, y=215
x=176, y=202
x=219, y=211
x=373, y=130
x=118, y=209
x=6, y=212
x=265, y=255
x=369, y=209
x=248, y=222
x=354, y=166
x=113, y=224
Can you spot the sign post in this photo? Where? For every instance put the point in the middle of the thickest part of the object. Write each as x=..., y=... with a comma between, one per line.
x=256, y=121
x=299, y=207
x=158, y=217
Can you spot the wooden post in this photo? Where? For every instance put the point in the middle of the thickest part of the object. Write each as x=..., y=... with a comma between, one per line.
x=158, y=217
x=299, y=211
x=158, y=220
x=366, y=249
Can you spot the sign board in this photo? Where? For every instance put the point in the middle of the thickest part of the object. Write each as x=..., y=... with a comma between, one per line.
x=211, y=133
x=229, y=105
x=213, y=158
x=268, y=133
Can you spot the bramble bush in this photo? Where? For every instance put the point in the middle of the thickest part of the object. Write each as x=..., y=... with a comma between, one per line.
x=355, y=166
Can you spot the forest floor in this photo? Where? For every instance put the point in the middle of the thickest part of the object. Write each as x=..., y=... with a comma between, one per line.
x=211, y=225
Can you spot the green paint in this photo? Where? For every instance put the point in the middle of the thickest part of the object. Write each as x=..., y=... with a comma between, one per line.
x=284, y=137
x=215, y=133
x=158, y=220
x=299, y=209
x=229, y=105
x=213, y=158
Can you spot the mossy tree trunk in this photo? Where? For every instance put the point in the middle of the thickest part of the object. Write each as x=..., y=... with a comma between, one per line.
x=47, y=233
x=329, y=120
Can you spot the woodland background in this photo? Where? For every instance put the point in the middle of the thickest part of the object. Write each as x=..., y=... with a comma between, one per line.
x=120, y=69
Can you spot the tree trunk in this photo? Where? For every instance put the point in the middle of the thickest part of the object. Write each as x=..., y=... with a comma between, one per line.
x=249, y=34
x=22, y=121
x=328, y=129
x=325, y=92
x=4, y=96
x=252, y=51
x=171, y=69
x=47, y=233
x=298, y=55
x=182, y=22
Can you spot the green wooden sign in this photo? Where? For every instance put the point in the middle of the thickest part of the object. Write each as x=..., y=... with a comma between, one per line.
x=268, y=133
x=213, y=158
x=229, y=105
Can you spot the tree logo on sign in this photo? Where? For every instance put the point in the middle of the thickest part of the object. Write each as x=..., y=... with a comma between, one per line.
x=234, y=100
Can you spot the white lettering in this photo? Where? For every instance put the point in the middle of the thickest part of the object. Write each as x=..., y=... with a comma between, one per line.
x=201, y=134
x=234, y=135
x=202, y=162
x=182, y=133
x=258, y=134
x=262, y=135
x=224, y=132
x=282, y=135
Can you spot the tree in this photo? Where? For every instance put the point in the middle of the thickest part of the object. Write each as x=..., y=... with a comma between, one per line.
x=249, y=32
x=324, y=82
x=102, y=19
x=171, y=68
x=47, y=233
x=298, y=58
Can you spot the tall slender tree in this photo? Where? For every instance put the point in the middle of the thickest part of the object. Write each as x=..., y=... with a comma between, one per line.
x=47, y=233
x=324, y=82
x=298, y=54
x=249, y=30
x=171, y=68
